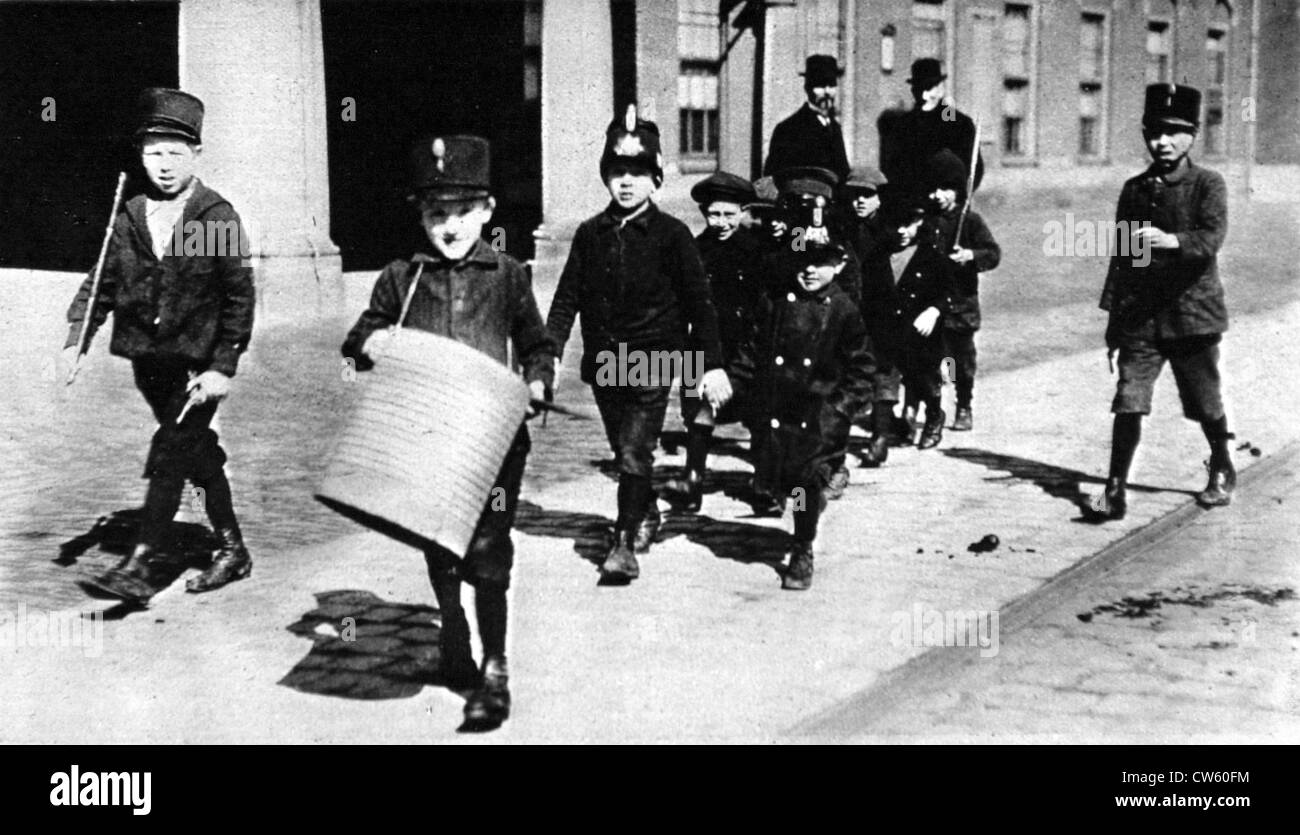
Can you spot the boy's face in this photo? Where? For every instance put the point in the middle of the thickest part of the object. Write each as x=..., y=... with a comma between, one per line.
x=169, y=162
x=815, y=276
x=865, y=203
x=907, y=232
x=1168, y=144
x=629, y=185
x=453, y=226
x=722, y=217
x=944, y=198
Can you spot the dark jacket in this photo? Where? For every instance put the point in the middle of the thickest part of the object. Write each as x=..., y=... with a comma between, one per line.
x=909, y=138
x=964, y=312
x=929, y=279
x=1178, y=293
x=735, y=271
x=802, y=139
x=874, y=243
x=197, y=308
x=484, y=301
x=640, y=283
x=810, y=371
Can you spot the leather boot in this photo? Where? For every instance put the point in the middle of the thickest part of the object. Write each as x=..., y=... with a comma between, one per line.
x=1112, y=503
x=964, y=421
x=798, y=576
x=231, y=562
x=489, y=705
x=648, y=530
x=839, y=481
x=688, y=491
x=1223, y=480
x=620, y=565
x=876, y=451
x=132, y=579
x=932, y=433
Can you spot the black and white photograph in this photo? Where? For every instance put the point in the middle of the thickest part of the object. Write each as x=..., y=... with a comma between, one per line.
x=651, y=372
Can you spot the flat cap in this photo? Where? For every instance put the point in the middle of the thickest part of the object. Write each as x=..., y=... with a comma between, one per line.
x=723, y=186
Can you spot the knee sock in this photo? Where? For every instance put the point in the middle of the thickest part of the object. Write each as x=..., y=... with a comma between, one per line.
x=1216, y=432
x=697, y=447
x=218, y=502
x=490, y=608
x=1124, y=442
x=161, y=502
x=634, y=496
x=933, y=406
x=805, y=520
x=882, y=417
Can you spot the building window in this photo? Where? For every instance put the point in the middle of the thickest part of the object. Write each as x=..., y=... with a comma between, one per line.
x=697, y=83
x=1159, y=52
x=1216, y=51
x=1092, y=68
x=533, y=51
x=929, y=30
x=1017, y=110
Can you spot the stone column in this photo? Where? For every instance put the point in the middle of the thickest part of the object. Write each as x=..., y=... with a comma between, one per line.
x=258, y=67
x=577, y=104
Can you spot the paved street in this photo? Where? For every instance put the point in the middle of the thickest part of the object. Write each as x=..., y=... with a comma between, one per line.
x=705, y=646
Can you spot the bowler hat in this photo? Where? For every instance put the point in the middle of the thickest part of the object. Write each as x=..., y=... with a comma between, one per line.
x=821, y=70
x=926, y=73
x=451, y=167
x=166, y=112
x=723, y=186
x=1172, y=104
x=807, y=179
x=633, y=140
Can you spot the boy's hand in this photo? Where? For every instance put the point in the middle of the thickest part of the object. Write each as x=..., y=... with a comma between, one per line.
x=536, y=391
x=1156, y=239
x=377, y=343
x=716, y=388
x=925, y=322
x=210, y=385
x=961, y=256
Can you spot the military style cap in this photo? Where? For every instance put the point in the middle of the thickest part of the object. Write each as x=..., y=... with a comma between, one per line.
x=817, y=251
x=900, y=206
x=945, y=170
x=633, y=140
x=164, y=112
x=1172, y=104
x=723, y=186
x=451, y=168
x=807, y=179
x=926, y=72
x=821, y=70
x=865, y=178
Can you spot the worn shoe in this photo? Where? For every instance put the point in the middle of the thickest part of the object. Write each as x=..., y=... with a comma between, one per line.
x=932, y=434
x=620, y=565
x=231, y=562
x=688, y=491
x=132, y=579
x=489, y=705
x=1218, y=491
x=835, y=488
x=648, y=530
x=876, y=451
x=798, y=575
x=1112, y=503
x=964, y=421
x=905, y=428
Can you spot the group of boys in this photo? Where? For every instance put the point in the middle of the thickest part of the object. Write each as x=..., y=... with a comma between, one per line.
x=803, y=320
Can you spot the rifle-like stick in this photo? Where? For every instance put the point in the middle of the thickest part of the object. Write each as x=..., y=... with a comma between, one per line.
x=970, y=184
x=94, y=283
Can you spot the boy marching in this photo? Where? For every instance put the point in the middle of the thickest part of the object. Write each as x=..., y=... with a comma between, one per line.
x=465, y=290
x=183, y=315
x=635, y=277
x=1168, y=305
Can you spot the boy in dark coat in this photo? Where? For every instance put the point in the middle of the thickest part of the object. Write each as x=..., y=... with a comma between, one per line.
x=733, y=260
x=976, y=252
x=178, y=283
x=466, y=290
x=1167, y=303
x=635, y=276
x=810, y=372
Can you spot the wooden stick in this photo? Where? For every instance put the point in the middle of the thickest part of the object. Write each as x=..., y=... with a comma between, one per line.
x=94, y=283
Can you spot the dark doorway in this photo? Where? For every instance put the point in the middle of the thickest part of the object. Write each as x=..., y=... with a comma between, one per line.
x=413, y=69
x=70, y=74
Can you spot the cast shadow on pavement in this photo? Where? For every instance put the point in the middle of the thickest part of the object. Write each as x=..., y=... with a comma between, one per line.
x=365, y=647
x=1057, y=482
x=185, y=545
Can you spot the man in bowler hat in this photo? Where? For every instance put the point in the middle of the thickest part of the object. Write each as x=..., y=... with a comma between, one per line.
x=812, y=136
x=1167, y=305
x=910, y=138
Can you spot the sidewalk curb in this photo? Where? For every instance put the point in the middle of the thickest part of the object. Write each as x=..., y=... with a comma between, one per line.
x=860, y=712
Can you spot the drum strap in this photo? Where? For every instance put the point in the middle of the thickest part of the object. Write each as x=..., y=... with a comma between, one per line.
x=410, y=294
